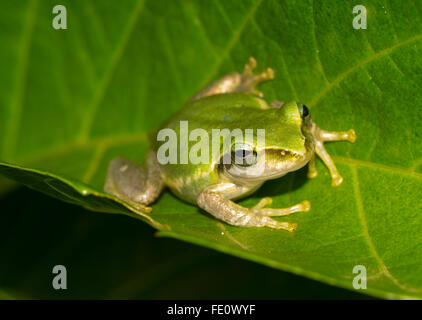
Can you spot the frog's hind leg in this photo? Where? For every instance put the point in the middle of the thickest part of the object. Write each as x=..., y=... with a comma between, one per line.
x=236, y=82
x=320, y=137
x=133, y=183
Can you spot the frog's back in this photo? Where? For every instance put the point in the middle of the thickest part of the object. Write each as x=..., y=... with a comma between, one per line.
x=213, y=112
x=224, y=111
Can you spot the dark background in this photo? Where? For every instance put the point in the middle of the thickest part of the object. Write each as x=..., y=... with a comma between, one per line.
x=118, y=257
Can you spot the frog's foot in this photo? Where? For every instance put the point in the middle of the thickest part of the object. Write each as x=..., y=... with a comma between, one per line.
x=249, y=80
x=270, y=212
x=226, y=210
x=322, y=136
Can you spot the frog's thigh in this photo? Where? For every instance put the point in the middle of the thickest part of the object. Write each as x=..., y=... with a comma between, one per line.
x=132, y=182
x=226, y=210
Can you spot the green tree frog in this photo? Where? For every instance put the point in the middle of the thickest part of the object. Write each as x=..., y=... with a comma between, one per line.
x=292, y=140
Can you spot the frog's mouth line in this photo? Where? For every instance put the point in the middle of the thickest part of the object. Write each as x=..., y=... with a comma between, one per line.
x=285, y=161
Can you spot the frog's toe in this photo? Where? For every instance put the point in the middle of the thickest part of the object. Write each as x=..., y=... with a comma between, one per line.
x=336, y=180
x=258, y=93
x=267, y=74
x=312, y=171
x=249, y=66
x=271, y=223
x=306, y=205
x=263, y=203
x=259, y=209
x=138, y=207
x=351, y=135
x=312, y=174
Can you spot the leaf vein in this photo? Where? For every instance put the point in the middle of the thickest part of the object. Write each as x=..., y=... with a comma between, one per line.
x=316, y=43
x=235, y=38
x=362, y=218
x=115, y=58
x=230, y=236
x=378, y=166
x=95, y=162
x=360, y=64
x=283, y=61
x=16, y=105
x=80, y=145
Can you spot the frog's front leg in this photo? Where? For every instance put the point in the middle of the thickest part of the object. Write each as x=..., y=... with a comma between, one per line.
x=236, y=82
x=215, y=200
x=133, y=183
x=321, y=136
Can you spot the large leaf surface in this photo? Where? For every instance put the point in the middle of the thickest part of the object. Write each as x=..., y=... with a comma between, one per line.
x=73, y=99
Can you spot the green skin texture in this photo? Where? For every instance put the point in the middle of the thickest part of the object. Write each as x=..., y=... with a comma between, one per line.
x=231, y=103
x=283, y=131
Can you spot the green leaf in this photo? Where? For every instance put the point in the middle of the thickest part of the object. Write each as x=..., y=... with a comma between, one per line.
x=71, y=100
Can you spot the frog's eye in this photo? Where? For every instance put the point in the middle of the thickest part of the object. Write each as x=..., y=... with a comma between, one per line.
x=244, y=156
x=303, y=110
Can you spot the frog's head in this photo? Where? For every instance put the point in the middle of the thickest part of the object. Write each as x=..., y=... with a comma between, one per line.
x=288, y=145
